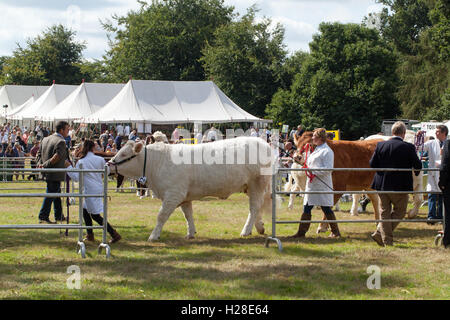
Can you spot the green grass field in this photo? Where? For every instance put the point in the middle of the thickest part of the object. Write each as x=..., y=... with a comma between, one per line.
x=218, y=264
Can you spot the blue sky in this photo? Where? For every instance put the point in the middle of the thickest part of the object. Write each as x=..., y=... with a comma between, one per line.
x=22, y=19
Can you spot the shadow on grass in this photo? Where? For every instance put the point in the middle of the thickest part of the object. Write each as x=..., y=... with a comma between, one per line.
x=173, y=273
x=164, y=268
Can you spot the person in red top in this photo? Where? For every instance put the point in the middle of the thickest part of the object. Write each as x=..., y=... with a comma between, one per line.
x=33, y=152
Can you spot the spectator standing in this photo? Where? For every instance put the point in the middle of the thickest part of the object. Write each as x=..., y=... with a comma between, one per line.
x=175, y=135
x=126, y=130
x=393, y=153
x=52, y=154
x=5, y=138
x=133, y=135
x=433, y=149
x=8, y=152
x=104, y=139
x=198, y=137
x=212, y=135
x=118, y=141
x=444, y=185
x=299, y=131
x=119, y=130
x=33, y=152
x=18, y=163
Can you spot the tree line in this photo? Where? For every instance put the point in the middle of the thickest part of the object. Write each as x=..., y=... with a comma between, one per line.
x=394, y=64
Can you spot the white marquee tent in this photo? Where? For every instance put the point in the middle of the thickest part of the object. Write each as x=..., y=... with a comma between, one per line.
x=84, y=101
x=171, y=102
x=14, y=96
x=46, y=102
x=20, y=108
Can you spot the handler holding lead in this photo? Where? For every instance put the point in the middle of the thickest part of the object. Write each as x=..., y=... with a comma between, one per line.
x=322, y=157
x=93, y=184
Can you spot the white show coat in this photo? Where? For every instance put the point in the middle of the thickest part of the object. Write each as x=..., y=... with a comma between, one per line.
x=322, y=157
x=93, y=181
x=434, y=157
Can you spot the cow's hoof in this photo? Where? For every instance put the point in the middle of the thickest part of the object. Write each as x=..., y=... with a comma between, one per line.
x=321, y=230
x=189, y=237
x=261, y=231
x=152, y=239
x=290, y=207
x=412, y=214
x=353, y=214
x=246, y=235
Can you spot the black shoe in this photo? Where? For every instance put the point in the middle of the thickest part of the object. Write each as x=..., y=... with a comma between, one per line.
x=63, y=218
x=47, y=220
x=430, y=221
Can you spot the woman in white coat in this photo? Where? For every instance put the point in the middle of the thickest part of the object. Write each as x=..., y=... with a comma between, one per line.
x=93, y=184
x=321, y=157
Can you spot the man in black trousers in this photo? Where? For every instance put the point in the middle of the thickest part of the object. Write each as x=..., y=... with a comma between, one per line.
x=444, y=185
x=52, y=154
x=393, y=153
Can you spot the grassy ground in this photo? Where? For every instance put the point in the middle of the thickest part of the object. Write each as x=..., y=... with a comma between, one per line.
x=218, y=264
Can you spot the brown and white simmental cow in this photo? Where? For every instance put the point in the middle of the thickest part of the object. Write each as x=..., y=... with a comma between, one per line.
x=207, y=171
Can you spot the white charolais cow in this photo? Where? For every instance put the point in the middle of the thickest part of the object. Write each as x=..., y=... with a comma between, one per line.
x=179, y=174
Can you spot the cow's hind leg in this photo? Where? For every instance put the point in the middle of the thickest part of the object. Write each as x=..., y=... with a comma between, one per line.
x=376, y=205
x=256, y=200
x=186, y=207
x=168, y=206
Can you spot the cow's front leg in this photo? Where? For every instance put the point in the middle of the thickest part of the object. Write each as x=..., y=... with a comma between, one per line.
x=355, y=204
x=292, y=198
x=188, y=215
x=164, y=213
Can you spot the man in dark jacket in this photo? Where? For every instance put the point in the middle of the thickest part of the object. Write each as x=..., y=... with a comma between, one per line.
x=393, y=153
x=444, y=185
x=52, y=154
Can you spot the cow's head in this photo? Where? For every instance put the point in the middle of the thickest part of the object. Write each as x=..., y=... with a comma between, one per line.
x=303, y=140
x=126, y=162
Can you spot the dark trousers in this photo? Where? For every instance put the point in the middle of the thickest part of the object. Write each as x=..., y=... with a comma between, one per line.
x=120, y=179
x=97, y=218
x=434, y=206
x=52, y=187
x=446, y=196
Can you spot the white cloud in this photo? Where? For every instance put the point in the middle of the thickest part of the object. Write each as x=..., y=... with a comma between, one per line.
x=300, y=18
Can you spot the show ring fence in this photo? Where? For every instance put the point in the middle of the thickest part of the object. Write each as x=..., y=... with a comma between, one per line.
x=27, y=162
x=275, y=192
x=81, y=248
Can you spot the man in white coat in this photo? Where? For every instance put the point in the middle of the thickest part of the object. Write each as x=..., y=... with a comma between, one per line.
x=433, y=148
x=321, y=157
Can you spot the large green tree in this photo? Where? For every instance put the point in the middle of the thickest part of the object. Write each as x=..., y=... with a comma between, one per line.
x=348, y=82
x=419, y=30
x=163, y=40
x=283, y=108
x=53, y=55
x=245, y=61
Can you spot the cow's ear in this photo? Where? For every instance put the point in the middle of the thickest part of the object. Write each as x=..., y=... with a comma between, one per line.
x=138, y=147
